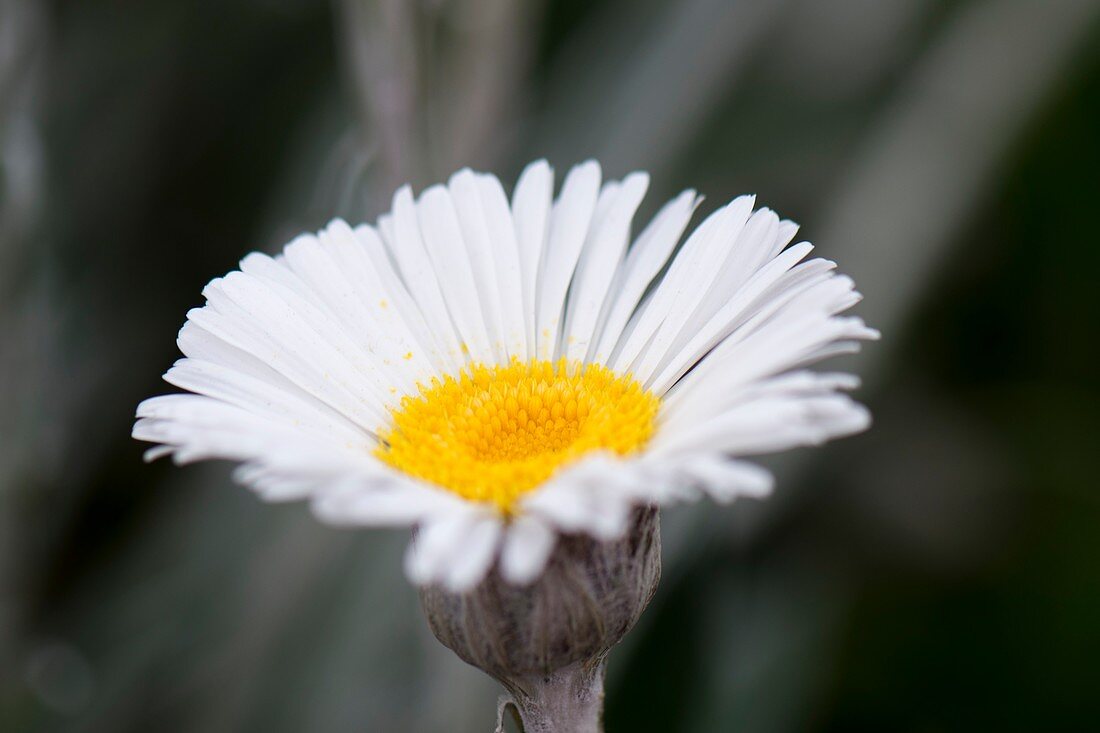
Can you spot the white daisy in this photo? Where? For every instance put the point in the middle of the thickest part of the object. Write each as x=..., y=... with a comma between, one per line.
x=497, y=373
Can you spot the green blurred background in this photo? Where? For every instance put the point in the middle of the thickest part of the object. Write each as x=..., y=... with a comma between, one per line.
x=939, y=573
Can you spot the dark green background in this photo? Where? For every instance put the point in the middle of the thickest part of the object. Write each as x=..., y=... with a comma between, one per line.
x=939, y=573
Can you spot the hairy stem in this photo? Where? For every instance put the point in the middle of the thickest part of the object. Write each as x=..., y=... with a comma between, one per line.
x=569, y=700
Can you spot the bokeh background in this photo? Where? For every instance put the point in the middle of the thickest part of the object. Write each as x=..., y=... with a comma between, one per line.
x=939, y=573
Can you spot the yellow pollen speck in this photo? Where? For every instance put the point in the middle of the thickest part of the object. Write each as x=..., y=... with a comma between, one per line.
x=494, y=433
x=408, y=355
x=383, y=303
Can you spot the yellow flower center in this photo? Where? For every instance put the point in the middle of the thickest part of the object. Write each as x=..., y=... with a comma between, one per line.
x=494, y=433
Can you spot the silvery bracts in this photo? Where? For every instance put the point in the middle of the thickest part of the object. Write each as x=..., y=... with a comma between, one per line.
x=548, y=643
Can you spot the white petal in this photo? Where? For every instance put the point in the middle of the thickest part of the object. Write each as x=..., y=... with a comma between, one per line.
x=594, y=496
x=483, y=257
x=531, y=204
x=569, y=222
x=407, y=248
x=466, y=568
x=504, y=245
x=201, y=427
x=599, y=261
x=370, y=263
x=455, y=272
x=274, y=485
x=644, y=260
x=687, y=279
x=767, y=425
x=701, y=338
x=158, y=451
x=358, y=298
x=747, y=251
x=252, y=317
x=778, y=337
x=527, y=546
x=725, y=480
x=455, y=549
x=398, y=503
x=262, y=397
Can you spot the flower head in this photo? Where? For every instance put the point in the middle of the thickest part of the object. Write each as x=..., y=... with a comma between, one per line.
x=499, y=372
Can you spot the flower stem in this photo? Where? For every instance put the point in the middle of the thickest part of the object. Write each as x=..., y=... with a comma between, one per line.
x=569, y=700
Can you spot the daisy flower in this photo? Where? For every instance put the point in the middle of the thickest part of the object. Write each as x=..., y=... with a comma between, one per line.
x=499, y=373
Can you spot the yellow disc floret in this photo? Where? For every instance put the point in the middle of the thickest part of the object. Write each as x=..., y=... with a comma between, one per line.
x=494, y=433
